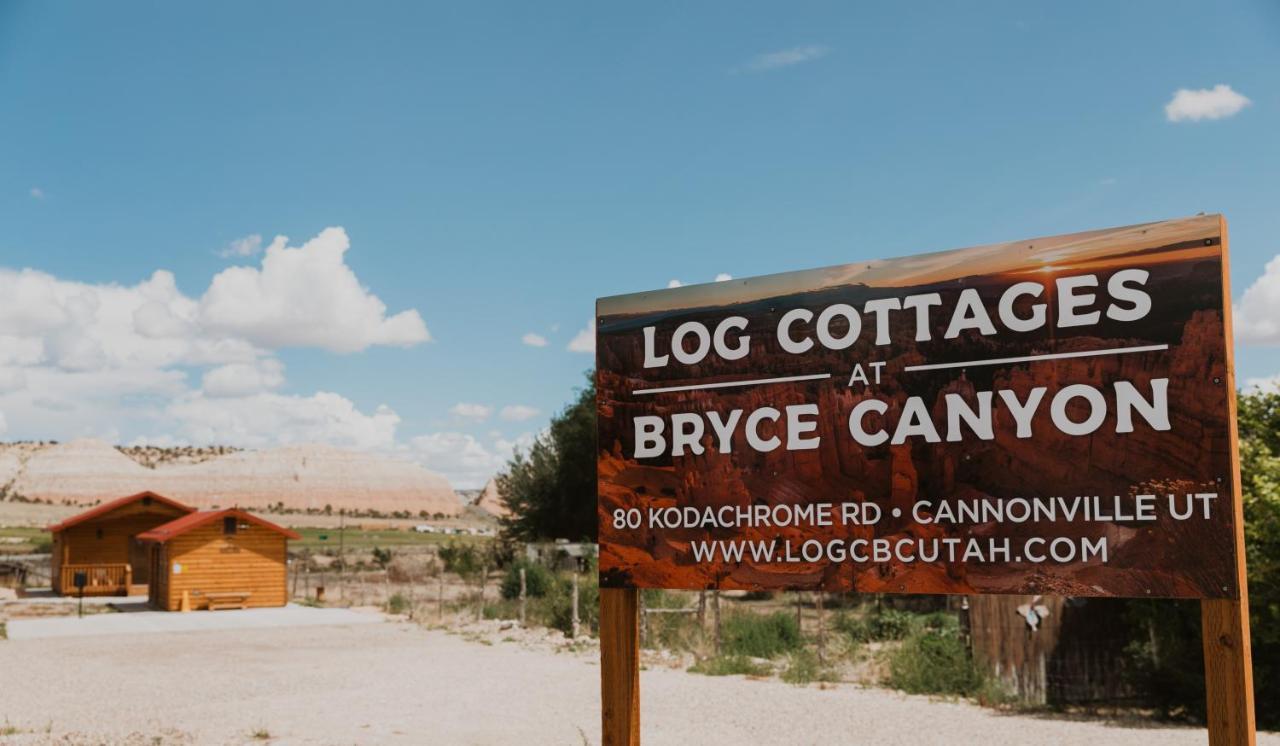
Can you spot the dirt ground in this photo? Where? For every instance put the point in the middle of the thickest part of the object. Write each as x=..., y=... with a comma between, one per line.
x=400, y=684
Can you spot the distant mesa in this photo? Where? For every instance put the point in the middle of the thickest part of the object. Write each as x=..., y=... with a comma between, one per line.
x=491, y=502
x=303, y=477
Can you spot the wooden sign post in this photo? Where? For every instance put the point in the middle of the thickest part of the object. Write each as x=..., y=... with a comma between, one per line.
x=620, y=665
x=1224, y=622
x=1053, y=416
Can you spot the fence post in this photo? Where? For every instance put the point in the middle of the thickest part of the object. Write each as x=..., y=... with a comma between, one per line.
x=822, y=629
x=644, y=621
x=715, y=613
x=412, y=594
x=575, y=605
x=522, y=598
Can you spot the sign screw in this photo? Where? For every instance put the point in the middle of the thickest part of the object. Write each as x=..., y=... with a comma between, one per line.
x=1217, y=380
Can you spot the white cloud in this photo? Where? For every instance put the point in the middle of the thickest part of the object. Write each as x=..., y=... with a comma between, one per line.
x=518, y=413
x=12, y=379
x=1257, y=315
x=267, y=419
x=37, y=193
x=242, y=379
x=1204, y=103
x=463, y=459
x=250, y=245
x=471, y=411
x=81, y=326
x=305, y=297
x=1270, y=385
x=97, y=359
x=785, y=58
x=722, y=277
x=534, y=340
x=585, y=340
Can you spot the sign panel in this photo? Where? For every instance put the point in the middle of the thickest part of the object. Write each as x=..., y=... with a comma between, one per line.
x=1042, y=416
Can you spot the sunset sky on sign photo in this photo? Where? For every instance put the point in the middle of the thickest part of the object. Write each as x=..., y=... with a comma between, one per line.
x=386, y=228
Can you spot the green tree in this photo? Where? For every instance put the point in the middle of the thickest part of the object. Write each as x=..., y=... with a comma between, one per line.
x=1259, y=418
x=551, y=489
x=1166, y=649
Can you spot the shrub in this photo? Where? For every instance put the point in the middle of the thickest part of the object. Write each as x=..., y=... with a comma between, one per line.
x=504, y=609
x=397, y=604
x=537, y=580
x=730, y=665
x=885, y=624
x=558, y=603
x=760, y=636
x=675, y=632
x=934, y=661
x=464, y=559
x=803, y=668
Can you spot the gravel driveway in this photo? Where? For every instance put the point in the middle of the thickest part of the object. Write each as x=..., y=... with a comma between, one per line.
x=396, y=683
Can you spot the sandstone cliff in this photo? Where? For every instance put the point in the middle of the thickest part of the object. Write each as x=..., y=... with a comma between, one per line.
x=299, y=477
x=491, y=502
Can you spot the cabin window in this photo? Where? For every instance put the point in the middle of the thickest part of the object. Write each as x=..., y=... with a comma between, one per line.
x=98, y=533
x=146, y=500
x=229, y=526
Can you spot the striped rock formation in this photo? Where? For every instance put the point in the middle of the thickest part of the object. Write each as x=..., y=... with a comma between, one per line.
x=301, y=477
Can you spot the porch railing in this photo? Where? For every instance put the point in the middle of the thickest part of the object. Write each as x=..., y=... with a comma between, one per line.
x=108, y=579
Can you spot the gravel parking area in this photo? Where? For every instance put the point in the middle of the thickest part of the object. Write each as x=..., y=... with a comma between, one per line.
x=141, y=620
x=395, y=683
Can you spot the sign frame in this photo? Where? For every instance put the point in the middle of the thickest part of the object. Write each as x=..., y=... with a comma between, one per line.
x=1225, y=621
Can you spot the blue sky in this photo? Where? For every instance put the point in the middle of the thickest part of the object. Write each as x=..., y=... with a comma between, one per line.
x=496, y=167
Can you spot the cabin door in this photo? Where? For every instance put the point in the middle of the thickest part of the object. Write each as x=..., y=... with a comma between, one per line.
x=139, y=561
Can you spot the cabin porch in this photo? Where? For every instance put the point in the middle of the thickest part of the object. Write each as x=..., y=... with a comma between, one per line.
x=101, y=579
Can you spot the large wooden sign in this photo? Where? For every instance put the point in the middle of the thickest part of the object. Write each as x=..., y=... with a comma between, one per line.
x=1043, y=416
x=1047, y=416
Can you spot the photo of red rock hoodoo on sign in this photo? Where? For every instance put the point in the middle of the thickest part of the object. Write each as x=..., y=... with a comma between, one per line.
x=1041, y=416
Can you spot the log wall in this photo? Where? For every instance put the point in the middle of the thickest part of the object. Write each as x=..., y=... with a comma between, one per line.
x=250, y=561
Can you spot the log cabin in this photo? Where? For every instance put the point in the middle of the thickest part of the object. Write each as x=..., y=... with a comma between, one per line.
x=219, y=559
x=102, y=544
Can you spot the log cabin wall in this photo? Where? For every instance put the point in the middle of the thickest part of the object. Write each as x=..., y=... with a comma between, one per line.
x=106, y=539
x=252, y=560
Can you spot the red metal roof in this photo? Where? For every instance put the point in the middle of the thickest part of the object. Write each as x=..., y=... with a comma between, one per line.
x=107, y=507
x=180, y=526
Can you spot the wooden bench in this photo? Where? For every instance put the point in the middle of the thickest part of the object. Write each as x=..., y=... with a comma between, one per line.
x=237, y=600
